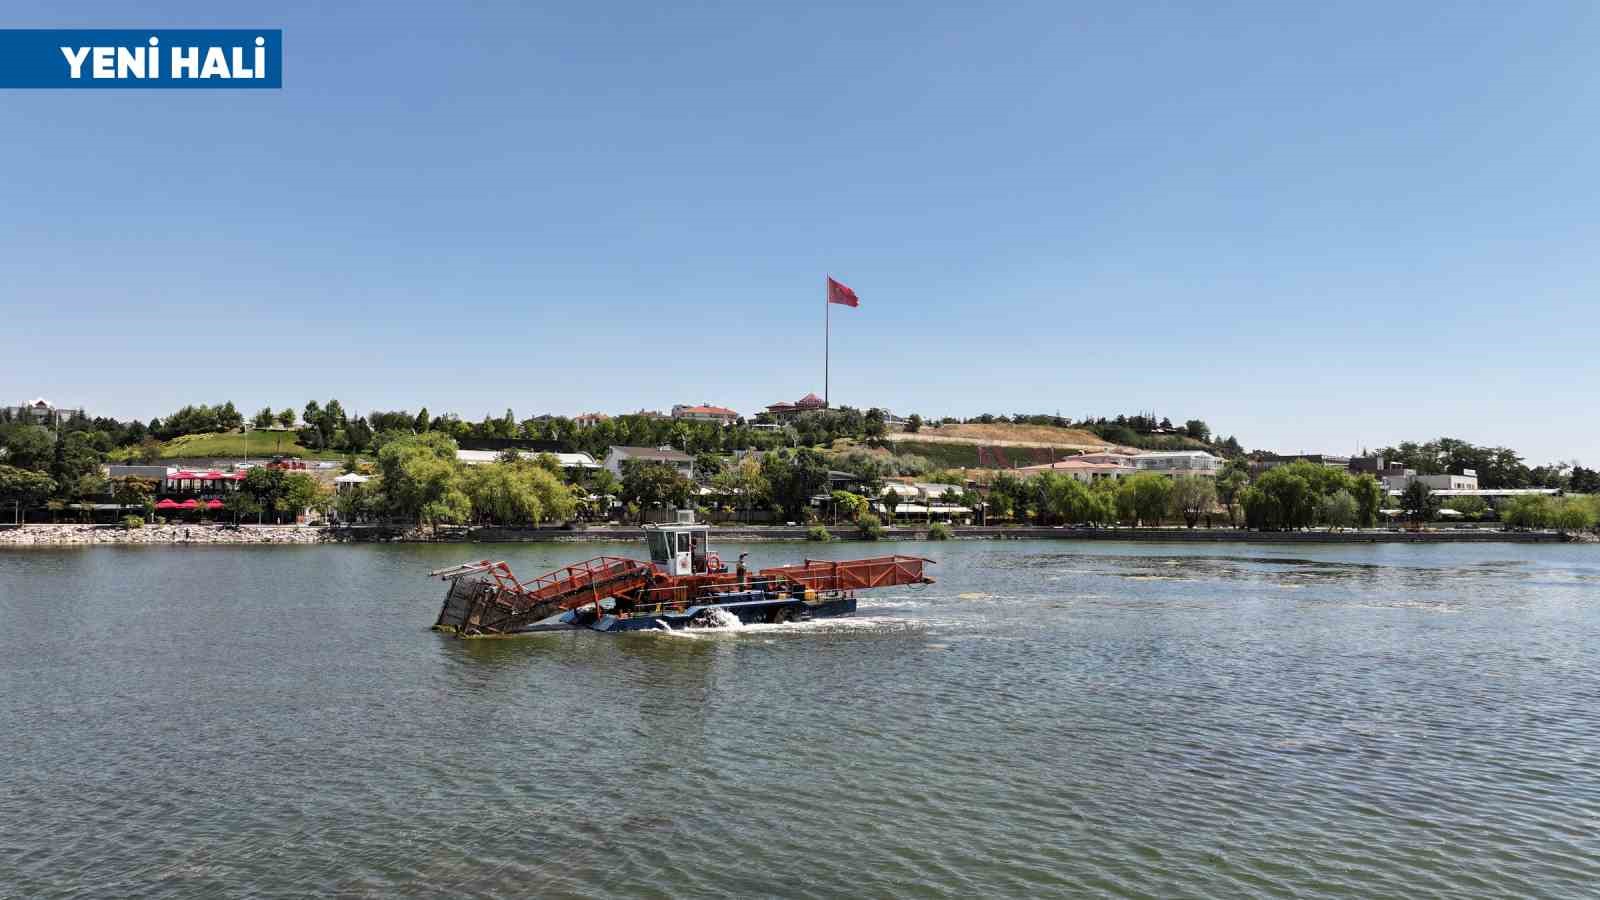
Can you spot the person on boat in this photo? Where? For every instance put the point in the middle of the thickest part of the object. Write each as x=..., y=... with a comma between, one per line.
x=741, y=571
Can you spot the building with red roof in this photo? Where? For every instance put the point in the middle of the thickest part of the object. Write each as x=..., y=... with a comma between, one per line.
x=705, y=413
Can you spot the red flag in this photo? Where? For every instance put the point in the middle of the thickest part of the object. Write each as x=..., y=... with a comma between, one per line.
x=838, y=293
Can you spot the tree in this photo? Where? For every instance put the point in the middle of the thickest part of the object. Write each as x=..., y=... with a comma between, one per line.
x=1338, y=509
x=263, y=418
x=890, y=499
x=130, y=490
x=872, y=427
x=913, y=423
x=1193, y=496
x=240, y=506
x=1470, y=508
x=422, y=481
x=1058, y=498
x=1583, y=481
x=1231, y=482
x=75, y=456
x=1287, y=496
x=27, y=446
x=265, y=486
x=1197, y=429
x=852, y=505
x=605, y=484
x=1573, y=514
x=23, y=488
x=302, y=492
x=707, y=466
x=1418, y=501
x=286, y=418
x=741, y=485
x=793, y=478
x=649, y=484
x=1369, y=495
x=228, y=418
x=518, y=493
x=1144, y=498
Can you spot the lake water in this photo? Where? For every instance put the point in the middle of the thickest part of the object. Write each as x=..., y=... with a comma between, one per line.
x=1050, y=718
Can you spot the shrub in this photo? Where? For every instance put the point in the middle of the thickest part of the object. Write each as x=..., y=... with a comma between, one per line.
x=871, y=526
x=818, y=533
x=132, y=521
x=939, y=531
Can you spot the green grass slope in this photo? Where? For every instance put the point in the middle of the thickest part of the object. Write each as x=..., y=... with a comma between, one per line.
x=253, y=445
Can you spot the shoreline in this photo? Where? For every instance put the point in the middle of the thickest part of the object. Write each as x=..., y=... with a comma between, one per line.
x=300, y=535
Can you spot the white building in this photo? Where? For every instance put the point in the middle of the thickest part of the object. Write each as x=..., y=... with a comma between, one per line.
x=923, y=498
x=1104, y=465
x=1178, y=462
x=571, y=462
x=679, y=460
x=42, y=412
x=1466, y=481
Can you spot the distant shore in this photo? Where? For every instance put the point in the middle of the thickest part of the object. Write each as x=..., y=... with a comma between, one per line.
x=95, y=535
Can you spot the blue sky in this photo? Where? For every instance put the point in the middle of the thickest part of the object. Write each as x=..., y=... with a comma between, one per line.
x=1316, y=226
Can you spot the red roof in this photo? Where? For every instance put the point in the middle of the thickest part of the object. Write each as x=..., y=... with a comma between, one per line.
x=710, y=410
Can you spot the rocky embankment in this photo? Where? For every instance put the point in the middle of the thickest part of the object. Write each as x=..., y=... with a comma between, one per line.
x=77, y=535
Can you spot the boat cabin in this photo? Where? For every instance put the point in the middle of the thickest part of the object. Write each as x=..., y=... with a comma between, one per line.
x=680, y=549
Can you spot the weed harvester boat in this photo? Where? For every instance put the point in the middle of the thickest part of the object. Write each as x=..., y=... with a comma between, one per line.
x=683, y=585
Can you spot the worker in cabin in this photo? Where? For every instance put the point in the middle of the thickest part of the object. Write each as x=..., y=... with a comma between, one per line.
x=741, y=571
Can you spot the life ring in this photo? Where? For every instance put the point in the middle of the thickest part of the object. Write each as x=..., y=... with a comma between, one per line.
x=713, y=562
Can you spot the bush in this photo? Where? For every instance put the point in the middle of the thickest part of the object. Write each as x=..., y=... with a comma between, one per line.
x=818, y=533
x=871, y=526
x=939, y=531
x=133, y=521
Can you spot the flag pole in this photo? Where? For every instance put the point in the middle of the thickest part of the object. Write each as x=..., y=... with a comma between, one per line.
x=827, y=338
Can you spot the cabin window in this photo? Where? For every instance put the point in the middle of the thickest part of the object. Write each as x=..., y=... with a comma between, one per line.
x=660, y=548
x=683, y=542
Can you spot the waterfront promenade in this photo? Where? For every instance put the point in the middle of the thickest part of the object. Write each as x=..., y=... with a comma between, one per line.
x=90, y=535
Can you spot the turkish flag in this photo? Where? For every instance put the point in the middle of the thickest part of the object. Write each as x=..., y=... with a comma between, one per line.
x=838, y=293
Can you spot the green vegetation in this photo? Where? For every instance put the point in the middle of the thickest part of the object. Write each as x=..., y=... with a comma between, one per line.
x=1497, y=467
x=422, y=481
x=239, y=444
x=654, y=484
x=1470, y=508
x=941, y=455
x=1541, y=511
x=132, y=522
x=870, y=526
x=939, y=531
x=1193, y=496
x=819, y=533
x=1302, y=494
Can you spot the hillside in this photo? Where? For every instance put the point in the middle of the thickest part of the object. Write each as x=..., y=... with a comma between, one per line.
x=1004, y=435
x=241, y=445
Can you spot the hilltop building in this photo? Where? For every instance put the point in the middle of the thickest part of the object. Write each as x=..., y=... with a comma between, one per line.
x=809, y=403
x=1178, y=462
x=705, y=413
x=42, y=412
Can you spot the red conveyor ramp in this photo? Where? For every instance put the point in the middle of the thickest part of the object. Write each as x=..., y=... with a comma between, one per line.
x=854, y=574
x=485, y=598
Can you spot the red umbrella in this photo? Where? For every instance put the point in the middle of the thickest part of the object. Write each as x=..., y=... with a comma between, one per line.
x=213, y=504
x=167, y=504
x=188, y=504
